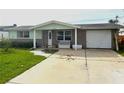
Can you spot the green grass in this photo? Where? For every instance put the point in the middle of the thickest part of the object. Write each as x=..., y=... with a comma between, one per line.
x=121, y=52
x=15, y=62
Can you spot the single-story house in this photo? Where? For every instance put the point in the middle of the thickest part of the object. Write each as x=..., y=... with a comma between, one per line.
x=56, y=34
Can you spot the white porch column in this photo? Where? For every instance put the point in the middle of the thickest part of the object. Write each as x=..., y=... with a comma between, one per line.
x=34, y=39
x=75, y=38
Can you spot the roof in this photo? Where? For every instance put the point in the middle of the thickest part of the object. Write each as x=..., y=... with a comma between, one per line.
x=2, y=28
x=57, y=22
x=100, y=26
x=20, y=28
x=81, y=26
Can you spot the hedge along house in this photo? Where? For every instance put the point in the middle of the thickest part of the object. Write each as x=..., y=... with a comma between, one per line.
x=56, y=34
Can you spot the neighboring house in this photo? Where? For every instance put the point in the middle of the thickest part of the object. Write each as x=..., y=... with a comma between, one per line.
x=58, y=34
x=4, y=34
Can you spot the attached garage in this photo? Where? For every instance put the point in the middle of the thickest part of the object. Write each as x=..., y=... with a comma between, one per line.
x=98, y=39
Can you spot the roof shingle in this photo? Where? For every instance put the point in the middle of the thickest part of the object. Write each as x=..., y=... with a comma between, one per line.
x=18, y=28
x=2, y=28
x=100, y=26
x=82, y=26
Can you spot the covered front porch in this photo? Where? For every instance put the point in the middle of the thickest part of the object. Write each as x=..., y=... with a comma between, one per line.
x=59, y=35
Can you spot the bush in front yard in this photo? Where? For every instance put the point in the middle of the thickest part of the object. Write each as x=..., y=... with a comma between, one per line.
x=5, y=44
x=17, y=44
x=121, y=45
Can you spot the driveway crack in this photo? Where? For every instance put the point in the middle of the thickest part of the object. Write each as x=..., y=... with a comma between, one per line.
x=86, y=66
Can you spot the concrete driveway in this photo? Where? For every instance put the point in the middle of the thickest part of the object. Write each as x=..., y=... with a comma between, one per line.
x=76, y=67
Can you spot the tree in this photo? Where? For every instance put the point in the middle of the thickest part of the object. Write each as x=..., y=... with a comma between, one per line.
x=114, y=21
x=111, y=21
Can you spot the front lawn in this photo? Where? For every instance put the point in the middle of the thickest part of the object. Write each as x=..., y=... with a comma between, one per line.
x=15, y=62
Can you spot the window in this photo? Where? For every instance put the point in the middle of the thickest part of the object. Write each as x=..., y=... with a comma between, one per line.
x=20, y=34
x=64, y=35
x=60, y=35
x=67, y=35
x=50, y=35
x=60, y=38
x=26, y=34
x=23, y=34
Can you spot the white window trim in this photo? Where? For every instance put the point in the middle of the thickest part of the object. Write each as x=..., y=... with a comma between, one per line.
x=60, y=35
x=23, y=35
x=64, y=36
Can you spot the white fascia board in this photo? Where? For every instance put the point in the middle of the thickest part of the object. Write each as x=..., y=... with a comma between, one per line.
x=57, y=22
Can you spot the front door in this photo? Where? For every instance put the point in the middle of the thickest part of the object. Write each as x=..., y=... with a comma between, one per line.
x=49, y=38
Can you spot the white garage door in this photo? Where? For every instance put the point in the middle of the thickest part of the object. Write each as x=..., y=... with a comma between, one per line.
x=98, y=39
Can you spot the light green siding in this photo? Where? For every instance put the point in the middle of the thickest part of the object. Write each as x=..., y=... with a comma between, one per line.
x=31, y=34
x=55, y=26
x=13, y=34
x=38, y=34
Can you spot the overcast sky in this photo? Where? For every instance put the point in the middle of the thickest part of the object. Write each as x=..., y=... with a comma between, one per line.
x=33, y=17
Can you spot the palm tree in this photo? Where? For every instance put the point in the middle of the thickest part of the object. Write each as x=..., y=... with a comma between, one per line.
x=111, y=21
x=114, y=21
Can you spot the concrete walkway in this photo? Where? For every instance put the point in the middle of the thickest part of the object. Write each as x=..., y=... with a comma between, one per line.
x=69, y=67
x=41, y=53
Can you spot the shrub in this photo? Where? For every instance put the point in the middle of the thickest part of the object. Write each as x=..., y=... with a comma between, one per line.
x=17, y=44
x=5, y=44
x=121, y=47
